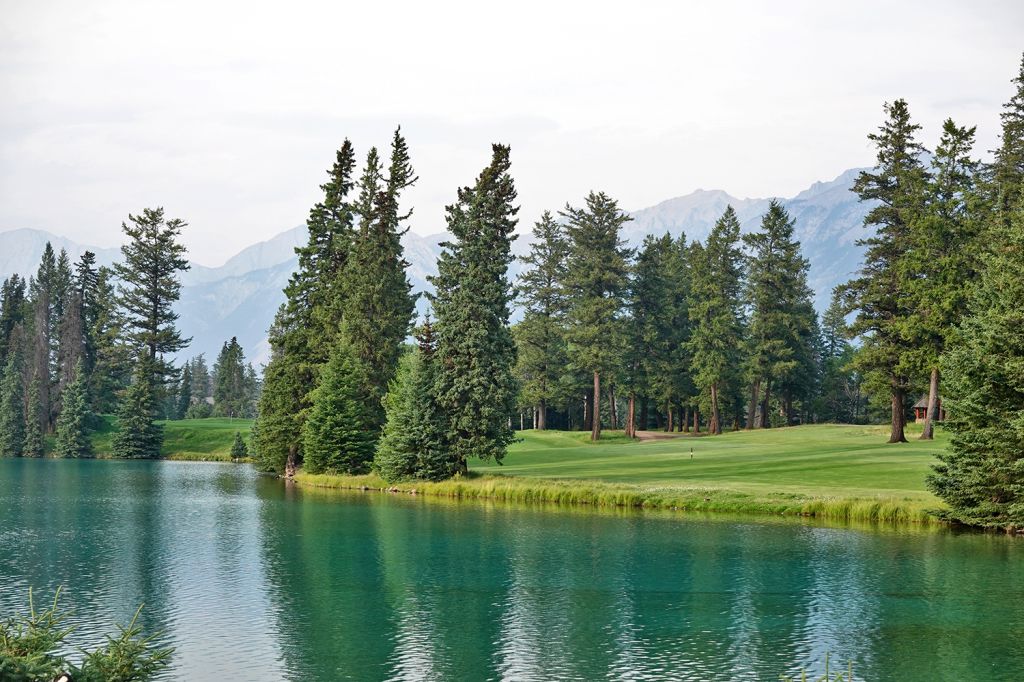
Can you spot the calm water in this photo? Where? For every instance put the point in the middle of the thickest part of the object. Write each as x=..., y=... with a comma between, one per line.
x=251, y=581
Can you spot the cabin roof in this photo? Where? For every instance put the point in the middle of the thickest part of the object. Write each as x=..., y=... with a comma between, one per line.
x=923, y=402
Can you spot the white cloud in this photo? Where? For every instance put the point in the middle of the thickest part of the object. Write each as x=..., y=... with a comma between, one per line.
x=228, y=114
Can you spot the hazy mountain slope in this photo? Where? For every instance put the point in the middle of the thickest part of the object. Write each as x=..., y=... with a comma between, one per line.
x=241, y=297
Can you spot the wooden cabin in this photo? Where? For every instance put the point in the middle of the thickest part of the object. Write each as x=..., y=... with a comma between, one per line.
x=921, y=410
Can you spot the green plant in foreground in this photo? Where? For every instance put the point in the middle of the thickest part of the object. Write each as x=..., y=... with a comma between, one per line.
x=29, y=644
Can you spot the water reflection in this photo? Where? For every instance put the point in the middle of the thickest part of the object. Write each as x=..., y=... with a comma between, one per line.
x=252, y=580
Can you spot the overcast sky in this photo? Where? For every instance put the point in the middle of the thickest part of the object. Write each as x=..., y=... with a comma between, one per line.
x=228, y=114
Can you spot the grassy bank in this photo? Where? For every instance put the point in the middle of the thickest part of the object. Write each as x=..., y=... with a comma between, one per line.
x=187, y=439
x=830, y=472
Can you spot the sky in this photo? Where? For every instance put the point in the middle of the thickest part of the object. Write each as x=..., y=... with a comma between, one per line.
x=228, y=114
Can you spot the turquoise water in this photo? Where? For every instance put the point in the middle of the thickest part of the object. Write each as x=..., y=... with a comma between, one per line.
x=249, y=580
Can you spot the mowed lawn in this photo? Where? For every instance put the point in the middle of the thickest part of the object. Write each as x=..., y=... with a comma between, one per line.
x=189, y=439
x=815, y=460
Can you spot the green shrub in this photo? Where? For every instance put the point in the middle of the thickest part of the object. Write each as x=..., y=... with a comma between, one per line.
x=29, y=650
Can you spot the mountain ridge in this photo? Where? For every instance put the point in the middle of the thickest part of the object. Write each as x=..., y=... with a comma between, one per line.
x=240, y=297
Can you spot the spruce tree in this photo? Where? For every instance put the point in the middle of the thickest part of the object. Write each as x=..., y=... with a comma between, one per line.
x=12, y=404
x=34, y=446
x=138, y=435
x=782, y=314
x=880, y=292
x=13, y=306
x=378, y=306
x=238, y=447
x=415, y=440
x=540, y=336
x=339, y=435
x=597, y=277
x=941, y=265
x=75, y=417
x=43, y=320
x=1007, y=169
x=149, y=286
x=981, y=475
x=112, y=366
x=184, y=392
x=230, y=394
x=306, y=325
x=475, y=350
x=715, y=315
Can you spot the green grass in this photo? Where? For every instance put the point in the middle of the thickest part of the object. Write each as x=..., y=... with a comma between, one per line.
x=187, y=439
x=835, y=472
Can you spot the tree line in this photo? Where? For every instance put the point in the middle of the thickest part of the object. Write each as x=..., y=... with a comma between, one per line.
x=79, y=340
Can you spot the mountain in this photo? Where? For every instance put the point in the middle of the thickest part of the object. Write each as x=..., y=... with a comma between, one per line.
x=240, y=297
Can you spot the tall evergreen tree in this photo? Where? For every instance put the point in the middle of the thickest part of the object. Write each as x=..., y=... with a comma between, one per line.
x=475, y=350
x=597, y=273
x=305, y=327
x=43, y=294
x=782, y=314
x=879, y=293
x=379, y=305
x=231, y=396
x=73, y=424
x=150, y=286
x=415, y=440
x=981, y=475
x=339, y=435
x=540, y=336
x=1007, y=169
x=34, y=446
x=138, y=435
x=12, y=402
x=941, y=264
x=717, y=280
x=184, y=392
x=112, y=362
x=13, y=305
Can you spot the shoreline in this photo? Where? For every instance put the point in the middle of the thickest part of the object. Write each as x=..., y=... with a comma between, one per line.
x=583, y=493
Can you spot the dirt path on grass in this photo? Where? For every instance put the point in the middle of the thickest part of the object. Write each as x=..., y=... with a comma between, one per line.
x=647, y=436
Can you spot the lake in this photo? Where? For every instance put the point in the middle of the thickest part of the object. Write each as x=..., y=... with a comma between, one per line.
x=251, y=580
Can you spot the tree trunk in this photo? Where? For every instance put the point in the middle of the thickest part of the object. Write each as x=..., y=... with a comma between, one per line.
x=631, y=418
x=612, y=407
x=715, y=426
x=292, y=463
x=542, y=416
x=671, y=416
x=686, y=420
x=898, y=417
x=932, y=415
x=765, y=420
x=755, y=390
x=588, y=422
x=595, y=419
x=696, y=420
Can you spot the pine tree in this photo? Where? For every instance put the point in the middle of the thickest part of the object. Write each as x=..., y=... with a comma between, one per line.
x=13, y=306
x=717, y=280
x=597, y=277
x=339, y=435
x=238, y=447
x=75, y=417
x=150, y=286
x=981, y=475
x=230, y=394
x=415, y=440
x=34, y=446
x=540, y=337
x=1007, y=170
x=941, y=265
x=111, y=370
x=42, y=293
x=378, y=306
x=184, y=392
x=782, y=314
x=475, y=350
x=12, y=403
x=138, y=435
x=306, y=325
x=879, y=293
